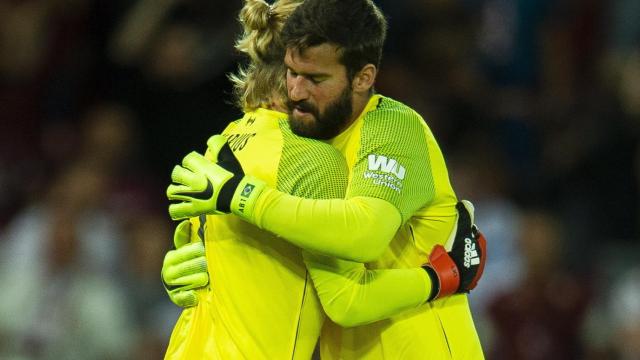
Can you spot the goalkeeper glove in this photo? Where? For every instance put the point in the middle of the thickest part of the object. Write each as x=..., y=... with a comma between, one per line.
x=185, y=268
x=212, y=184
x=458, y=270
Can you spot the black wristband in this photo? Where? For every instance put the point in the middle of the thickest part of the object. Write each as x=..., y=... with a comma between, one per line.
x=435, y=282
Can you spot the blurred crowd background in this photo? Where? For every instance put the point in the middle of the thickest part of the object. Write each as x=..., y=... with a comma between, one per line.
x=536, y=104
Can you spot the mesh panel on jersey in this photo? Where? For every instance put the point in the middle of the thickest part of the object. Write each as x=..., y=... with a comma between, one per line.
x=310, y=168
x=393, y=131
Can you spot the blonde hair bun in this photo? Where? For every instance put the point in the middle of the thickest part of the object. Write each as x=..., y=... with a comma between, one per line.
x=256, y=15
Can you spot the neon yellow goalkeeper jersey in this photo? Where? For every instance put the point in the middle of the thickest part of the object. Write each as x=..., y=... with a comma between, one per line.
x=260, y=303
x=392, y=155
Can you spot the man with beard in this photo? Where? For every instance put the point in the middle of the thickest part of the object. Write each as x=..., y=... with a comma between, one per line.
x=260, y=302
x=399, y=209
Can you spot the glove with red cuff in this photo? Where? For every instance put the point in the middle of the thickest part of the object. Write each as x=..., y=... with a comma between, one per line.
x=458, y=270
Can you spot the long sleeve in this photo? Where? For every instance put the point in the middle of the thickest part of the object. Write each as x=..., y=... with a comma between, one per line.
x=353, y=295
x=357, y=229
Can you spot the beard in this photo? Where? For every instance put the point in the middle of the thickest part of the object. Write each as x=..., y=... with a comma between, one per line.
x=324, y=126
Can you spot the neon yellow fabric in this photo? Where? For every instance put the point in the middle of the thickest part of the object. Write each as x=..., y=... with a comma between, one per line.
x=356, y=229
x=381, y=151
x=352, y=295
x=392, y=156
x=260, y=303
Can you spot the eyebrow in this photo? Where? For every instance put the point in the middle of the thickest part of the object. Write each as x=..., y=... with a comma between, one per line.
x=309, y=74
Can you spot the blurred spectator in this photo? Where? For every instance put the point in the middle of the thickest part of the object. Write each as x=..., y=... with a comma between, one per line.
x=478, y=172
x=109, y=141
x=613, y=322
x=624, y=305
x=148, y=238
x=170, y=60
x=58, y=268
x=541, y=317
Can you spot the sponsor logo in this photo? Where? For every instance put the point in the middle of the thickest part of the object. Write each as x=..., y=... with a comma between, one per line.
x=471, y=257
x=385, y=171
x=205, y=194
x=386, y=165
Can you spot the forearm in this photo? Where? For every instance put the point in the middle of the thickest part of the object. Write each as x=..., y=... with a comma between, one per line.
x=357, y=229
x=352, y=295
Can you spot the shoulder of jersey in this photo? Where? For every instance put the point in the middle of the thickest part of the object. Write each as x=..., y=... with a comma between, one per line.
x=389, y=109
x=310, y=145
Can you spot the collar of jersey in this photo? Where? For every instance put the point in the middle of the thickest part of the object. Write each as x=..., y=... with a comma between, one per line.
x=271, y=113
x=371, y=105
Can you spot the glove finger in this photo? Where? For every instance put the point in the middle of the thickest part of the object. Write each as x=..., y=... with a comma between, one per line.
x=169, y=261
x=188, y=282
x=214, y=145
x=179, y=274
x=181, y=211
x=193, y=281
x=191, y=251
x=185, y=253
x=180, y=192
x=195, y=162
x=184, y=299
x=183, y=176
x=182, y=234
x=470, y=209
x=174, y=273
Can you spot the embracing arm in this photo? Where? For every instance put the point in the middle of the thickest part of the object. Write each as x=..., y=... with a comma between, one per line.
x=353, y=295
x=358, y=229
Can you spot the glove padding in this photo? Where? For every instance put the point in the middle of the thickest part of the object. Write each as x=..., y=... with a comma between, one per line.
x=212, y=184
x=185, y=268
x=458, y=270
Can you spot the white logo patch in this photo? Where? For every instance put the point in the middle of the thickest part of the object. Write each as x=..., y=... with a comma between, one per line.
x=385, y=171
x=386, y=165
x=470, y=254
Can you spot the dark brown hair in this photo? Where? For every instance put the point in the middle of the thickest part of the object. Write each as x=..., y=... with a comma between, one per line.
x=357, y=27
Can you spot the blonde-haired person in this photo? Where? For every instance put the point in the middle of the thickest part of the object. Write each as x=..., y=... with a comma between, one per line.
x=260, y=301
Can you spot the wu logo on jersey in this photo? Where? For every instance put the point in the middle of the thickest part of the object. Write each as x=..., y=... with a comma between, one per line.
x=386, y=165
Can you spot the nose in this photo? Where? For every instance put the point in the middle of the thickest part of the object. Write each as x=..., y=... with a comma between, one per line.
x=297, y=89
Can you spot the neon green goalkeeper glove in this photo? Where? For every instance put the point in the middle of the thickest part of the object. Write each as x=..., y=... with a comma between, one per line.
x=212, y=184
x=185, y=268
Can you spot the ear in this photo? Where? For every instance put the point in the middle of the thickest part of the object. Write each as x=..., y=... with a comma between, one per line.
x=364, y=79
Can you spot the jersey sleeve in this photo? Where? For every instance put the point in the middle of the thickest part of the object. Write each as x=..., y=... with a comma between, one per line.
x=390, y=180
x=357, y=229
x=392, y=163
x=352, y=295
x=310, y=168
x=309, y=210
